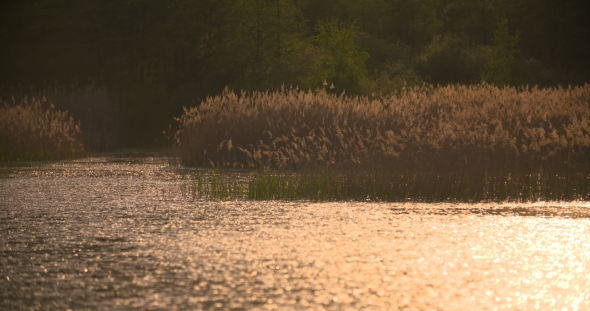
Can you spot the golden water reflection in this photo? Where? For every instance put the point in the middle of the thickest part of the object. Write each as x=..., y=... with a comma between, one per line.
x=337, y=256
x=120, y=236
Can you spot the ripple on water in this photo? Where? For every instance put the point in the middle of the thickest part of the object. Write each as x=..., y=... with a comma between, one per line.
x=120, y=234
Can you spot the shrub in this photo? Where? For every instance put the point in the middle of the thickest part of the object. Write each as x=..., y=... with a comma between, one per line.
x=340, y=62
x=451, y=60
x=394, y=77
x=502, y=69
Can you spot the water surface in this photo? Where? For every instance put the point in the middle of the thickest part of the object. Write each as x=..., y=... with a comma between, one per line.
x=119, y=232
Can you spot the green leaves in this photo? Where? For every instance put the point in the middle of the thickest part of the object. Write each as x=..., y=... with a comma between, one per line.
x=339, y=60
x=502, y=69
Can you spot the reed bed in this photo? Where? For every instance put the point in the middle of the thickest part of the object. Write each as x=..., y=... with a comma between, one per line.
x=93, y=105
x=433, y=143
x=326, y=185
x=421, y=187
x=33, y=129
x=215, y=185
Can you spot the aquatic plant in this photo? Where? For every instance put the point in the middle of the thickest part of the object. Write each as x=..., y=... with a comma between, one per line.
x=33, y=129
x=327, y=185
x=215, y=184
x=452, y=141
x=320, y=186
x=93, y=105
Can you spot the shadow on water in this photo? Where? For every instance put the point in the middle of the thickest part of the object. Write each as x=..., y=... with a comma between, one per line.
x=507, y=211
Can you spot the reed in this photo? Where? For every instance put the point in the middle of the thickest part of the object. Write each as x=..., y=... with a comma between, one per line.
x=93, y=105
x=215, y=184
x=328, y=185
x=431, y=143
x=33, y=129
x=418, y=187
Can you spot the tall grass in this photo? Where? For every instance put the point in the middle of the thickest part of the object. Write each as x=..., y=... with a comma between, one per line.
x=327, y=185
x=216, y=185
x=93, y=105
x=33, y=129
x=331, y=186
x=465, y=142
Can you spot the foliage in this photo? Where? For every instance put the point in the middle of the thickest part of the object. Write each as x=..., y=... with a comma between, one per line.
x=158, y=56
x=502, y=69
x=395, y=77
x=339, y=61
x=451, y=60
x=202, y=46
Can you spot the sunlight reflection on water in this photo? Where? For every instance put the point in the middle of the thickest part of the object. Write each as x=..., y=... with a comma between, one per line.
x=120, y=234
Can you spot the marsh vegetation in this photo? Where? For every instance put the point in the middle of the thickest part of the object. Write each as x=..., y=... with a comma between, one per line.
x=155, y=57
x=451, y=143
x=429, y=143
x=384, y=100
x=32, y=129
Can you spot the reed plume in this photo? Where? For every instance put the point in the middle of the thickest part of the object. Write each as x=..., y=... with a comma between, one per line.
x=33, y=129
x=475, y=136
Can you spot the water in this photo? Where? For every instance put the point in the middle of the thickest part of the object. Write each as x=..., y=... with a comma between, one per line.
x=118, y=232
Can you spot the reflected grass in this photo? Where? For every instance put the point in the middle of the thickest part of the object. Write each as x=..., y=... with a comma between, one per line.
x=325, y=185
x=329, y=185
x=215, y=184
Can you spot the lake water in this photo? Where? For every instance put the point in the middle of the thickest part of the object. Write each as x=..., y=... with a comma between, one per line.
x=119, y=232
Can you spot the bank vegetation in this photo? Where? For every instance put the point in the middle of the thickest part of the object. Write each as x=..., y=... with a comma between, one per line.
x=431, y=143
x=33, y=129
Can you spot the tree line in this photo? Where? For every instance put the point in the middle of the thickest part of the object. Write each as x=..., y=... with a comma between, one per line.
x=159, y=56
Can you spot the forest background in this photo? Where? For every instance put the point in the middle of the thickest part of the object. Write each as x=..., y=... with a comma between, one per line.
x=129, y=66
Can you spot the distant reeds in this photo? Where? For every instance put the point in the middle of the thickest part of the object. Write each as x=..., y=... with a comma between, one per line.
x=424, y=187
x=464, y=142
x=327, y=185
x=95, y=107
x=33, y=129
x=215, y=184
